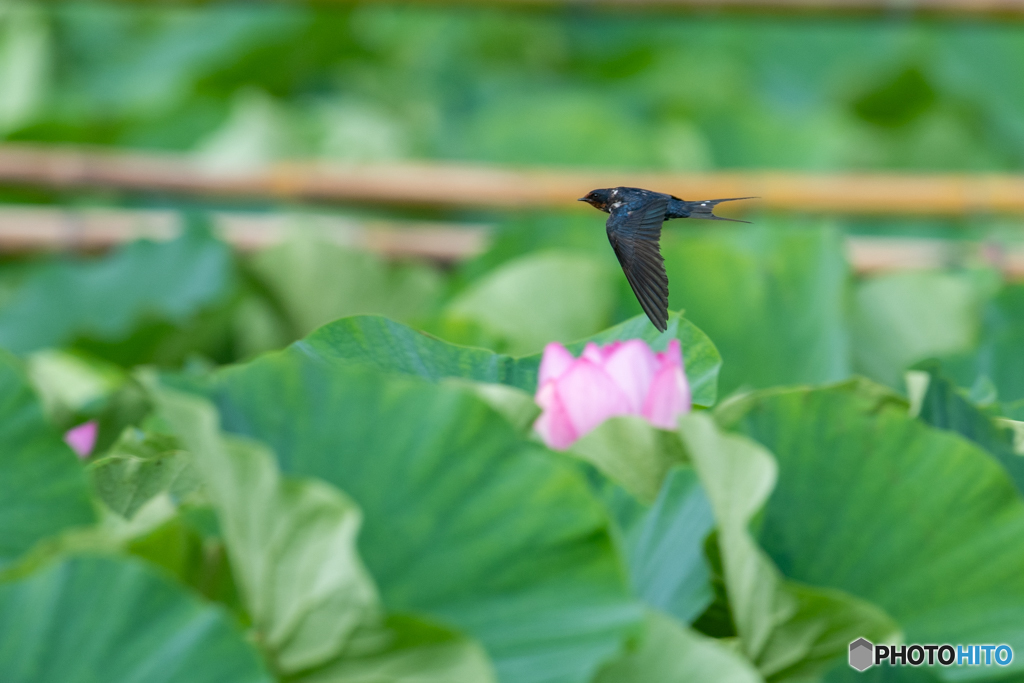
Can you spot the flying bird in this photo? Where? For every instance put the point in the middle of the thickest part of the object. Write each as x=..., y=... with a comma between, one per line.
x=634, y=228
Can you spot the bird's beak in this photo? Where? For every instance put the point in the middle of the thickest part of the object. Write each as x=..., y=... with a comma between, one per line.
x=582, y=199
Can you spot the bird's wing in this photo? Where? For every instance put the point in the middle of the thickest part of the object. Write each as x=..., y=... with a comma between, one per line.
x=634, y=236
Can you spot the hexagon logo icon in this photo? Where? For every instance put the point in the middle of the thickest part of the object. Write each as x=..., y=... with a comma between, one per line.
x=861, y=654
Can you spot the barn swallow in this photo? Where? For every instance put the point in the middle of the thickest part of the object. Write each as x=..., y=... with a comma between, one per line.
x=634, y=228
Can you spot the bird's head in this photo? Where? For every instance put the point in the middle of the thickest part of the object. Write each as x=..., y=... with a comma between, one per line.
x=599, y=199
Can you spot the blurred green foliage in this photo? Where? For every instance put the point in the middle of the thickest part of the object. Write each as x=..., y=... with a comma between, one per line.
x=242, y=84
x=43, y=492
x=368, y=504
x=168, y=311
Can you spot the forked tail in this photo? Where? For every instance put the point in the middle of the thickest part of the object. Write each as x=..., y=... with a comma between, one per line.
x=705, y=209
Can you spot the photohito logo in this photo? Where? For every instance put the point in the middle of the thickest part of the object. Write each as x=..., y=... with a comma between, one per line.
x=864, y=654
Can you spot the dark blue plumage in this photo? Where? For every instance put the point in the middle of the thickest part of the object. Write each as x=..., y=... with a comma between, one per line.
x=634, y=230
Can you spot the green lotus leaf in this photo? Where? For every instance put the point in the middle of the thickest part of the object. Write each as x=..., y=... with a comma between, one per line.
x=410, y=650
x=465, y=520
x=133, y=306
x=771, y=295
x=789, y=630
x=538, y=298
x=663, y=543
x=291, y=542
x=871, y=501
x=632, y=453
x=945, y=406
x=393, y=347
x=661, y=512
x=668, y=652
x=512, y=403
x=316, y=281
x=902, y=318
x=97, y=618
x=43, y=489
x=993, y=366
x=140, y=466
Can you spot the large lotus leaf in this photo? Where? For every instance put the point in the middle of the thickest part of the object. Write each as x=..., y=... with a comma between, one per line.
x=140, y=466
x=521, y=233
x=410, y=650
x=95, y=618
x=316, y=281
x=920, y=521
x=184, y=541
x=392, y=347
x=541, y=298
x=292, y=543
x=882, y=673
x=111, y=534
x=512, y=403
x=901, y=318
x=43, y=489
x=665, y=548
x=188, y=544
x=661, y=512
x=663, y=544
x=772, y=298
x=632, y=453
x=668, y=652
x=145, y=289
x=945, y=406
x=789, y=630
x=465, y=520
x=997, y=360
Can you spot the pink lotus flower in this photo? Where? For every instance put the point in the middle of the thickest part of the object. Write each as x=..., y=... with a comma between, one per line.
x=82, y=438
x=623, y=378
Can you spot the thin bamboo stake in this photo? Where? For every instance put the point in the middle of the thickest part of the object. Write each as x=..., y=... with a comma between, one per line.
x=998, y=9
x=462, y=185
x=34, y=228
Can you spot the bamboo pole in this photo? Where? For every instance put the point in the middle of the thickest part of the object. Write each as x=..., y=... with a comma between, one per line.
x=973, y=9
x=464, y=185
x=39, y=228
x=996, y=9
x=35, y=228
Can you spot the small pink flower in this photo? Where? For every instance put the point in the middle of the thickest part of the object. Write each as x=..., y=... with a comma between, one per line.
x=622, y=378
x=82, y=438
